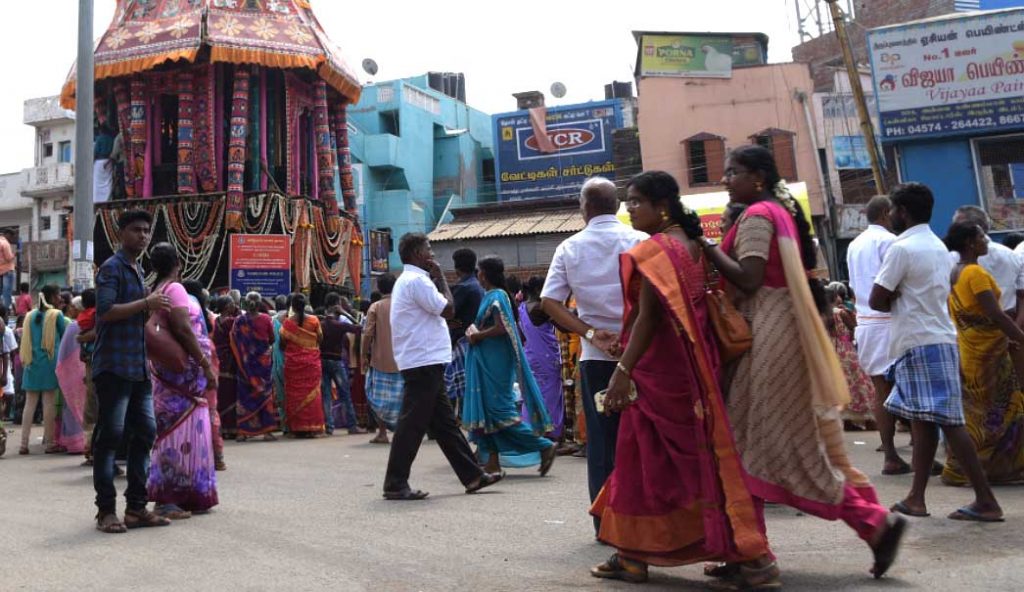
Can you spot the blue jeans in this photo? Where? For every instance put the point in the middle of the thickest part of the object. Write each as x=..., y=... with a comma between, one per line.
x=602, y=430
x=336, y=372
x=7, y=288
x=125, y=410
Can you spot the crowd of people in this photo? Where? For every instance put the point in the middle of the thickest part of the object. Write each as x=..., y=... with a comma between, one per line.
x=702, y=381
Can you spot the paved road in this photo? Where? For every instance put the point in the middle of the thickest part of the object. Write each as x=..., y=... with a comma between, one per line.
x=307, y=515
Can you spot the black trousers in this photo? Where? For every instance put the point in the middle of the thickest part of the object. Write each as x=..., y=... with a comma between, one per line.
x=602, y=430
x=425, y=405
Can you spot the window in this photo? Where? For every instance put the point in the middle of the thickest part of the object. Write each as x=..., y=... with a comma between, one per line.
x=782, y=145
x=48, y=150
x=1000, y=169
x=64, y=154
x=44, y=222
x=705, y=159
x=389, y=123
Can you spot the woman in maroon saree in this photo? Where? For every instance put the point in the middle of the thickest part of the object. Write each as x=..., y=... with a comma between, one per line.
x=227, y=375
x=677, y=495
x=252, y=337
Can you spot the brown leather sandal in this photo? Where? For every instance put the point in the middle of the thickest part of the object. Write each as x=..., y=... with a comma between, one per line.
x=752, y=579
x=143, y=519
x=107, y=522
x=618, y=568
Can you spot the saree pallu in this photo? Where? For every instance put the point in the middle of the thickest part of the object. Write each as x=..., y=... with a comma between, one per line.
x=542, y=354
x=302, y=375
x=277, y=373
x=255, y=409
x=181, y=470
x=227, y=389
x=489, y=409
x=677, y=494
x=70, y=431
x=993, y=403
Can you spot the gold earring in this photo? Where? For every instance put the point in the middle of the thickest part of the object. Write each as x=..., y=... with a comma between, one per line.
x=664, y=216
x=759, y=186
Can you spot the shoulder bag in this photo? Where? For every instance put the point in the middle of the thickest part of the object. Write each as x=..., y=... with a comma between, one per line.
x=162, y=348
x=731, y=329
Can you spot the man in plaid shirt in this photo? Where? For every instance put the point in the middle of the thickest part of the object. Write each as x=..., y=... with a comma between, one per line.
x=121, y=380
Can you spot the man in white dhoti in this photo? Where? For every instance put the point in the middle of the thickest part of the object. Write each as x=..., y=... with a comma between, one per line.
x=864, y=259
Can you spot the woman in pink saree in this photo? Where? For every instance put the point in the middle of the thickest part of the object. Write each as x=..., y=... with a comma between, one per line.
x=71, y=377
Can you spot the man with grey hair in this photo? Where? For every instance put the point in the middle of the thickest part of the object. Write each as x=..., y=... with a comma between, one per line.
x=586, y=267
x=864, y=258
x=1006, y=266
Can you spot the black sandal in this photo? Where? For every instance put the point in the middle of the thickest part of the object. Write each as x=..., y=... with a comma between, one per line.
x=887, y=548
x=617, y=568
x=722, y=571
x=547, y=458
x=485, y=480
x=405, y=496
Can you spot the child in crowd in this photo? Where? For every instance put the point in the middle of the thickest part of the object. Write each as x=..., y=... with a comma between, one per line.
x=86, y=320
x=23, y=303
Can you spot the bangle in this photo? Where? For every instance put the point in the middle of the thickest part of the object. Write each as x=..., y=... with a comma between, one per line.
x=622, y=368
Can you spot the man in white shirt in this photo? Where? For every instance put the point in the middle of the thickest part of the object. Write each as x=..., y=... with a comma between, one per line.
x=913, y=284
x=1007, y=267
x=422, y=348
x=864, y=258
x=586, y=265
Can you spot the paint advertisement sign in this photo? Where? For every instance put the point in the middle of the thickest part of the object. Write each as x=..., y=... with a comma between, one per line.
x=582, y=137
x=950, y=76
x=261, y=263
x=850, y=152
x=380, y=251
x=699, y=56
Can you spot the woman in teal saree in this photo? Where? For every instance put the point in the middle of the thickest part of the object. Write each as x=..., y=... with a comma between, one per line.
x=494, y=364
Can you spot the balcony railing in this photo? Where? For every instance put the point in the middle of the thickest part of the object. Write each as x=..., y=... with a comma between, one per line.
x=50, y=179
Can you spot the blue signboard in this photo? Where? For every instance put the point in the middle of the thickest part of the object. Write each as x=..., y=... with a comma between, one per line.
x=850, y=152
x=582, y=139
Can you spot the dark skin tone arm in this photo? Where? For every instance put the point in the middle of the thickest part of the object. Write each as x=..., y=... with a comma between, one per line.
x=881, y=299
x=747, y=274
x=990, y=306
x=181, y=327
x=563, y=318
x=646, y=323
x=87, y=337
x=495, y=330
x=442, y=284
x=1019, y=316
x=120, y=312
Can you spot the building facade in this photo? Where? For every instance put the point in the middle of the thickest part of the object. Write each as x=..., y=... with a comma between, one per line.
x=418, y=153
x=951, y=106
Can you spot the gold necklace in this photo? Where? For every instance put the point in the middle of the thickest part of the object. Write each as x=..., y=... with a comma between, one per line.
x=669, y=227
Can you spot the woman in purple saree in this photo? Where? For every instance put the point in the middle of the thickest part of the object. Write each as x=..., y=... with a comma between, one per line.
x=182, y=479
x=543, y=354
x=251, y=339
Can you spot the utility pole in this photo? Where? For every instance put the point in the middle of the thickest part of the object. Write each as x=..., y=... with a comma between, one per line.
x=81, y=272
x=866, y=128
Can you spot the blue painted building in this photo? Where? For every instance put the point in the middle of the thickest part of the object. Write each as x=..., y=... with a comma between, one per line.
x=417, y=152
x=951, y=101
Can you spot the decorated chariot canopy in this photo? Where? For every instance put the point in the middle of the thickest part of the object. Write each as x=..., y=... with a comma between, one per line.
x=232, y=118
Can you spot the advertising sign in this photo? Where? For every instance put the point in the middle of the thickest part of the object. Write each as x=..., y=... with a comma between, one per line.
x=261, y=263
x=950, y=76
x=380, y=250
x=582, y=135
x=700, y=56
x=850, y=152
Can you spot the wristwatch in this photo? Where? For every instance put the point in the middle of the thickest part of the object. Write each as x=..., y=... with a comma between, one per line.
x=589, y=335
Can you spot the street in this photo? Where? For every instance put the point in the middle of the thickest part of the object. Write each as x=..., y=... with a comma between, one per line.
x=308, y=515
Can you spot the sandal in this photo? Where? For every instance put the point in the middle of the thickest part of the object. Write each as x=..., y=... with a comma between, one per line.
x=752, y=579
x=143, y=519
x=172, y=512
x=722, y=571
x=380, y=440
x=23, y=450
x=617, y=568
x=485, y=480
x=107, y=522
x=405, y=496
x=889, y=545
x=547, y=458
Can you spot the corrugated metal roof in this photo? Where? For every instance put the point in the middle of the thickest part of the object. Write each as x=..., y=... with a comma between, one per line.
x=533, y=223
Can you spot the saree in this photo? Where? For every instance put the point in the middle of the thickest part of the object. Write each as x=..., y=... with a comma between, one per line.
x=993, y=401
x=71, y=376
x=227, y=375
x=489, y=411
x=785, y=394
x=862, y=390
x=677, y=494
x=181, y=471
x=277, y=372
x=543, y=355
x=251, y=341
x=302, y=375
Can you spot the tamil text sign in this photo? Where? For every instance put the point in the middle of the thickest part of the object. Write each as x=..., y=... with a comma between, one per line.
x=952, y=76
x=261, y=263
x=701, y=56
x=582, y=136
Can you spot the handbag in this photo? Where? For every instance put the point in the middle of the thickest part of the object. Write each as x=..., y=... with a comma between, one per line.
x=162, y=348
x=731, y=329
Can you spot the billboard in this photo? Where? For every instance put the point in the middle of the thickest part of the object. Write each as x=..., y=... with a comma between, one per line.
x=582, y=136
x=950, y=76
x=380, y=251
x=700, y=56
x=850, y=152
x=261, y=263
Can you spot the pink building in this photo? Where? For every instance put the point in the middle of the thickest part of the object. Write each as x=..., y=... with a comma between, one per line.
x=691, y=115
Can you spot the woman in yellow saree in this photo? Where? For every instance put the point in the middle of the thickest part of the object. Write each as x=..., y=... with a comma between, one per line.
x=993, y=401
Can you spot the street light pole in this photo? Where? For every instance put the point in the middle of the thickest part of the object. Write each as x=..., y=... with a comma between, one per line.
x=81, y=275
x=866, y=128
